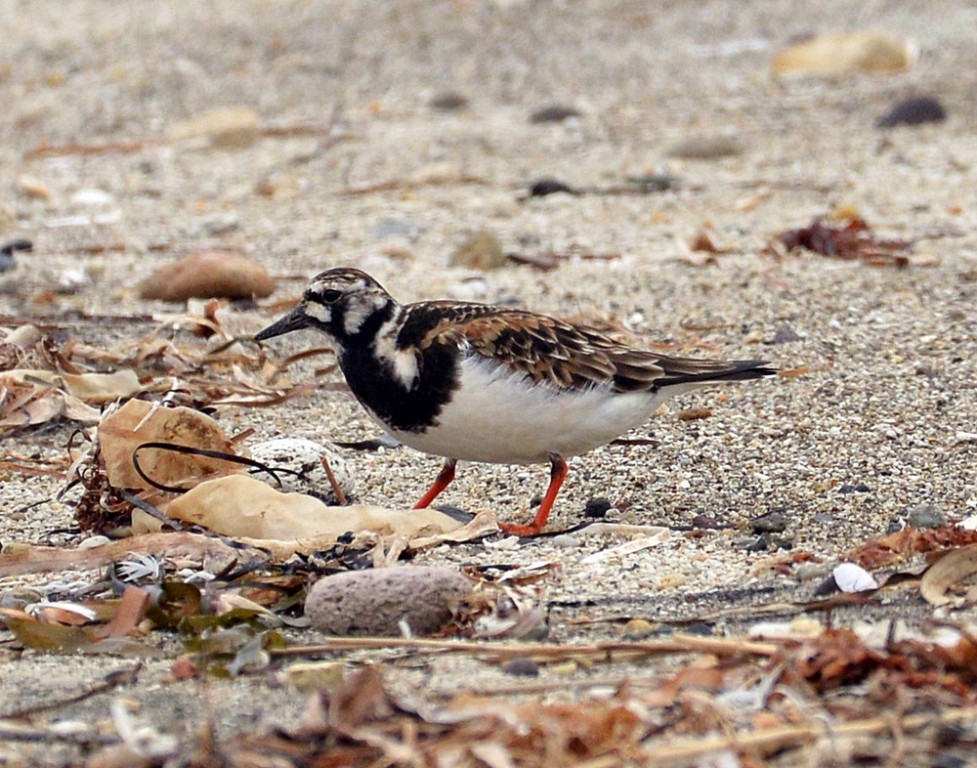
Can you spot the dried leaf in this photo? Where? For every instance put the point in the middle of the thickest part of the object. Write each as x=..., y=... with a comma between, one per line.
x=43, y=635
x=950, y=570
x=176, y=602
x=30, y=397
x=131, y=610
x=177, y=545
x=244, y=507
x=102, y=388
x=359, y=700
x=902, y=545
x=121, y=432
x=836, y=657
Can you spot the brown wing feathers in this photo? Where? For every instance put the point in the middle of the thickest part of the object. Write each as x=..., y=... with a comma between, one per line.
x=570, y=357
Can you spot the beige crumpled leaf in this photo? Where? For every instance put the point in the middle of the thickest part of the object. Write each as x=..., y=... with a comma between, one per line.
x=138, y=422
x=244, y=507
x=951, y=569
x=102, y=387
x=30, y=396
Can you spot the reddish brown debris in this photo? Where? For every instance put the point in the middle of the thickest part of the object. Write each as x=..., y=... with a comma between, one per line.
x=900, y=546
x=854, y=240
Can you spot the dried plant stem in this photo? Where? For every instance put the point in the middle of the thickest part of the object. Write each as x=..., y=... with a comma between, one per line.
x=786, y=736
x=612, y=651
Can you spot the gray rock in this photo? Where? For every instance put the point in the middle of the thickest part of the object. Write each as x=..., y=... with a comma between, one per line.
x=924, y=516
x=785, y=335
x=375, y=602
x=521, y=665
x=771, y=522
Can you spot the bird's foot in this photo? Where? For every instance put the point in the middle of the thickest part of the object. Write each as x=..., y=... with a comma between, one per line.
x=521, y=530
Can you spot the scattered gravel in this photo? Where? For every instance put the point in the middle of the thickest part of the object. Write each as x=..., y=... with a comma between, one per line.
x=354, y=162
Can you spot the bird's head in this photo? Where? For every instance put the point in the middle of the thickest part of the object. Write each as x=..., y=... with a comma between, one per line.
x=342, y=303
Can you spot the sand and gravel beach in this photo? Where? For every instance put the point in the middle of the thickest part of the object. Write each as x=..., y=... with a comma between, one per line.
x=358, y=158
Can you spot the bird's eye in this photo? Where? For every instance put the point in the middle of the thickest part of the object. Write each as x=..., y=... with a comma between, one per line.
x=331, y=296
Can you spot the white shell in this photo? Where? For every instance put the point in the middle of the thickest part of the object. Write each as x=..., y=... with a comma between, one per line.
x=853, y=578
x=305, y=457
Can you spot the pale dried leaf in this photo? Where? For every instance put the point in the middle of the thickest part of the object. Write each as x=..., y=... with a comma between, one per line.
x=951, y=569
x=102, y=387
x=242, y=506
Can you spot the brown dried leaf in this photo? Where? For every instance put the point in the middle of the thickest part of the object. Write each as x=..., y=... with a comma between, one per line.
x=901, y=546
x=361, y=699
x=836, y=657
x=137, y=422
x=131, y=610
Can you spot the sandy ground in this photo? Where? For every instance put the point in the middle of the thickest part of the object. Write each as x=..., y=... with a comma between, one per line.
x=890, y=353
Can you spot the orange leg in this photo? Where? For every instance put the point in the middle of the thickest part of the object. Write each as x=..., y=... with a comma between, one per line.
x=558, y=473
x=442, y=481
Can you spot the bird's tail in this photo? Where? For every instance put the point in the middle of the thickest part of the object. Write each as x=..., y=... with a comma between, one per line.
x=685, y=370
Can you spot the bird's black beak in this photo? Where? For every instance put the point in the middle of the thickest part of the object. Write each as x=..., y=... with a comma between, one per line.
x=295, y=320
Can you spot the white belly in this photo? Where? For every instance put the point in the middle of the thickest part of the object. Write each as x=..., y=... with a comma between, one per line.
x=494, y=417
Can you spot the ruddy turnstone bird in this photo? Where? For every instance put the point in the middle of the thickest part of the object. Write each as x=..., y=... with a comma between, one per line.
x=476, y=382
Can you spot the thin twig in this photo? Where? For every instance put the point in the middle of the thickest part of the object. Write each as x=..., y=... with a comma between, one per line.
x=19, y=732
x=337, y=489
x=616, y=651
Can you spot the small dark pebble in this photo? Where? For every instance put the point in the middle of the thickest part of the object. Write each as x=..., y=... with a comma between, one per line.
x=762, y=544
x=596, y=507
x=949, y=734
x=785, y=335
x=859, y=488
x=913, y=111
x=772, y=522
x=654, y=182
x=827, y=587
x=700, y=628
x=925, y=369
x=448, y=102
x=521, y=666
x=925, y=516
x=705, y=521
x=554, y=113
x=7, y=252
x=544, y=187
